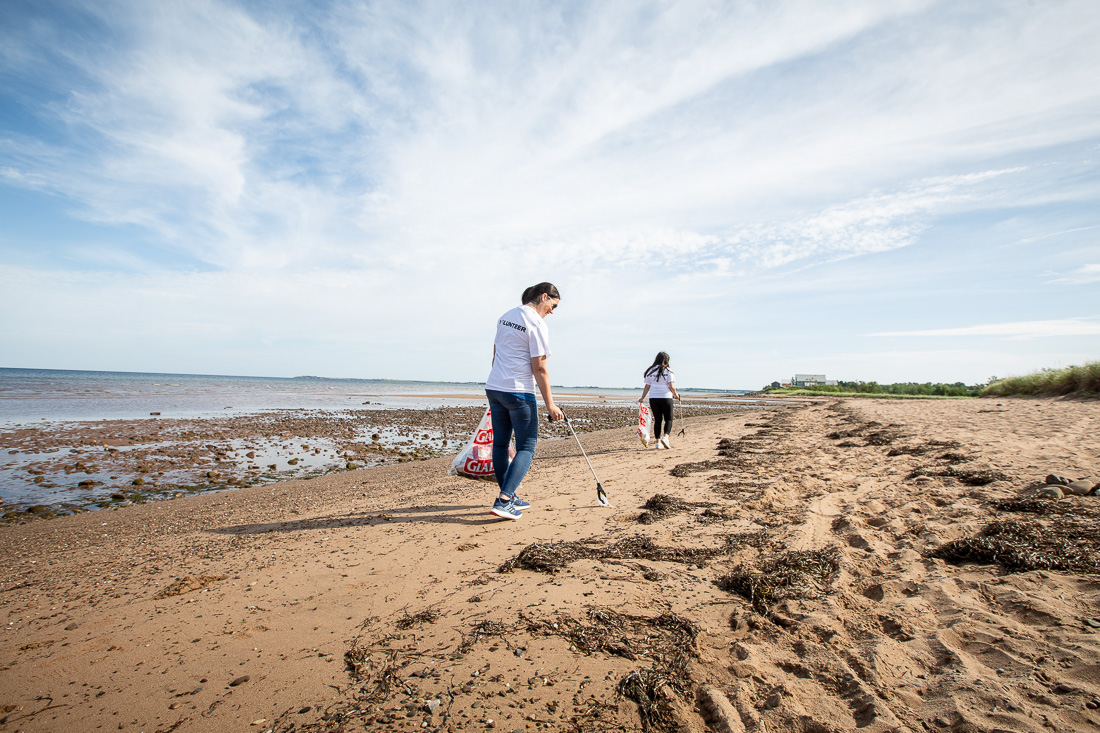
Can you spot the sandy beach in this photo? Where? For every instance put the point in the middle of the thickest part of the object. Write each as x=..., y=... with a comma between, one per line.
x=776, y=570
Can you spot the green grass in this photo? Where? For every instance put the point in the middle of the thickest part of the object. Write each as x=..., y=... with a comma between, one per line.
x=802, y=392
x=1078, y=381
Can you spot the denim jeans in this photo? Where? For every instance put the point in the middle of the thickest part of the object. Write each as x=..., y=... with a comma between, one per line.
x=519, y=414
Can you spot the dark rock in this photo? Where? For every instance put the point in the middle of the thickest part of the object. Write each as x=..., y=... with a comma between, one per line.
x=239, y=681
x=1057, y=480
x=38, y=509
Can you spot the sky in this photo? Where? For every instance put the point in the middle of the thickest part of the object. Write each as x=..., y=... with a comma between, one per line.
x=901, y=191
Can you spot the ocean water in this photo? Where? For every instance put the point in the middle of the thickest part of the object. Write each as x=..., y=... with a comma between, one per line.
x=65, y=403
x=33, y=395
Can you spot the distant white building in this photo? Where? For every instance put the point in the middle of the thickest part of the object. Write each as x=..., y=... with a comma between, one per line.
x=812, y=380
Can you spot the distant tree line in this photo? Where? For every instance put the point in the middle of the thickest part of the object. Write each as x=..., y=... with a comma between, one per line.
x=925, y=389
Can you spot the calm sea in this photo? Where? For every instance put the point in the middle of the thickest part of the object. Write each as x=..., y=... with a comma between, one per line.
x=33, y=395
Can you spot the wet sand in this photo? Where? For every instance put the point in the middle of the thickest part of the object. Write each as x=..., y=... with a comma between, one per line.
x=773, y=571
x=67, y=467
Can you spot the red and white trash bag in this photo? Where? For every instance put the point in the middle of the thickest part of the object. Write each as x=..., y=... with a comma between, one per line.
x=476, y=459
x=643, y=423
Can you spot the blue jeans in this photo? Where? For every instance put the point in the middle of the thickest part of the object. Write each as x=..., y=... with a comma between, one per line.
x=519, y=414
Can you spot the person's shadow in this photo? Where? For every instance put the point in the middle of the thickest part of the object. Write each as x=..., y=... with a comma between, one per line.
x=472, y=515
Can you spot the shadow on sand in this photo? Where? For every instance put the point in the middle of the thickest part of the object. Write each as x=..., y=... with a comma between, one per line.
x=471, y=515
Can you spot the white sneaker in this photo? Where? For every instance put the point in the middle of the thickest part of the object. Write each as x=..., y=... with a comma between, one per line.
x=665, y=443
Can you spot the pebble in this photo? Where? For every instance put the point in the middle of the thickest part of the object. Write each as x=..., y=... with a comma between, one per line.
x=239, y=681
x=1080, y=488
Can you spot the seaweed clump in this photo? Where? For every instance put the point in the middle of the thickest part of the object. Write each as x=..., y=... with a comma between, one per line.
x=428, y=616
x=660, y=506
x=793, y=574
x=970, y=477
x=668, y=640
x=553, y=556
x=1067, y=545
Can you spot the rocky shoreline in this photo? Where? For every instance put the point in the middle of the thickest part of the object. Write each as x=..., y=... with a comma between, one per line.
x=79, y=466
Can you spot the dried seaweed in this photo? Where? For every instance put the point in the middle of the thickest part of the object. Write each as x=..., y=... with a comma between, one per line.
x=970, y=477
x=1071, y=545
x=423, y=617
x=660, y=506
x=553, y=556
x=668, y=641
x=481, y=630
x=1032, y=506
x=793, y=574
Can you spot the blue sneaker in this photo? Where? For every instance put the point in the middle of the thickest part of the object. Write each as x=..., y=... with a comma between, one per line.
x=519, y=503
x=506, y=509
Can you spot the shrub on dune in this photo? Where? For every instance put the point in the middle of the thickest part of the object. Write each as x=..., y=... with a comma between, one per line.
x=1078, y=381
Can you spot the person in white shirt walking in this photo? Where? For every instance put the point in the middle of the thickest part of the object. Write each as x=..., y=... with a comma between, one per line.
x=660, y=385
x=520, y=351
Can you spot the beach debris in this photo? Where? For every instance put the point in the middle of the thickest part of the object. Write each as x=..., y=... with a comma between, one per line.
x=1032, y=505
x=551, y=557
x=720, y=713
x=189, y=583
x=791, y=575
x=240, y=680
x=968, y=476
x=922, y=448
x=667, y=641
x=1071, y=544
x=660, y=506
x=427, y=616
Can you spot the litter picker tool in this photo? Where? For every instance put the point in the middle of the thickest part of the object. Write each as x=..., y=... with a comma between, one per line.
x=601, y=495
x=681, y=418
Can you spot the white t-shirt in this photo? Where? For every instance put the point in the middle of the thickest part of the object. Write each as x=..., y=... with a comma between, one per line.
x=660, y=387
x=521, y=335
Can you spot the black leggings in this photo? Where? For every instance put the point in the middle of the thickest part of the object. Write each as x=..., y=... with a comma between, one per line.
x=661, y=407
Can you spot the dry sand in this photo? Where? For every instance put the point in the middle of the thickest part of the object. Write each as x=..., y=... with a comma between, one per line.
x=373, y=600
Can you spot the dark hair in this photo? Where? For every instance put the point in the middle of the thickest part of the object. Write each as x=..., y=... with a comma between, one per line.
x=660, y=365
x=536, y=291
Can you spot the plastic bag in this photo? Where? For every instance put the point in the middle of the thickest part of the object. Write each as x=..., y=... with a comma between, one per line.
x=643, y=423
x=476, y=459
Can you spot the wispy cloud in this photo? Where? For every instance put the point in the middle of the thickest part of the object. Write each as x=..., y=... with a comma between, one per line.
x=728, y=156
x=1083, y=275
x=1020, y=329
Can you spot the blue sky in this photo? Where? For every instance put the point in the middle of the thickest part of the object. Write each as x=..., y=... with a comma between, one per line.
x=902, y=191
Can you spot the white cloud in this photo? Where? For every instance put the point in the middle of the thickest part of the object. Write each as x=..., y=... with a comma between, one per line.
x=1019, y=329
x=420, y=158
x=1086, y=274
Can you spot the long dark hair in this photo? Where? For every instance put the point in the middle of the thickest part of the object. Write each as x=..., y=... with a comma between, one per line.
x=536, y=291
x=660, y=365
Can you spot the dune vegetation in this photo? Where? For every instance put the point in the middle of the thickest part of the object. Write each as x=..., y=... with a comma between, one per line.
x=1077, y=381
